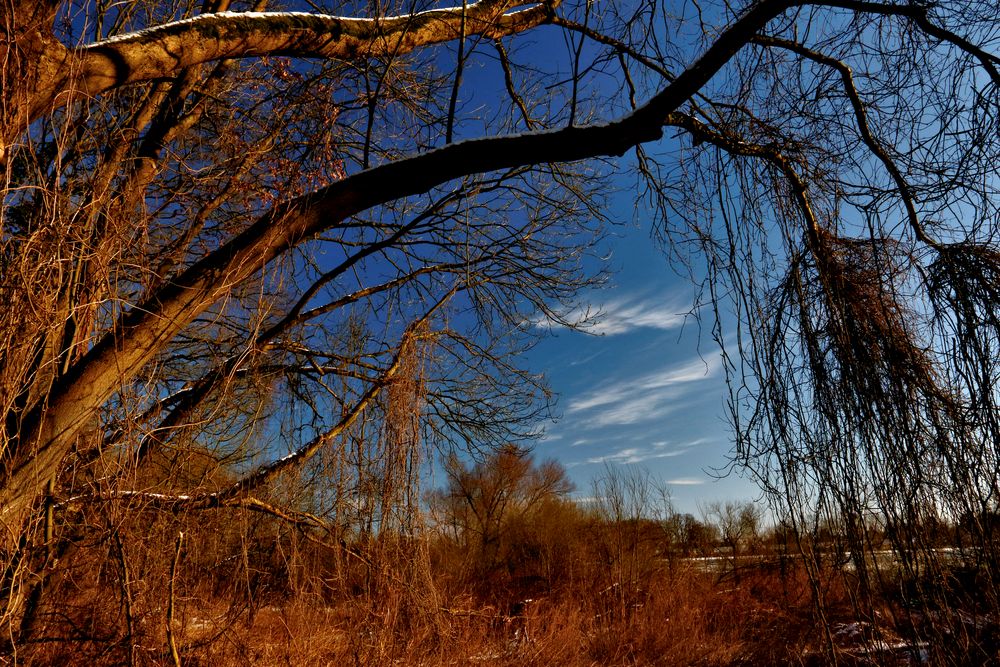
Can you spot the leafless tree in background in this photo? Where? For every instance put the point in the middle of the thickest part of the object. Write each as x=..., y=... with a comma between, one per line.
x=484, y=504
x=226, y=234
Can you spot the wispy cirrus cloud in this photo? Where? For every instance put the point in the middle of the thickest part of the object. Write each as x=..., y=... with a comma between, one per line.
x=685, y=481
x=638, y=454
x=646, y=397
x=625, y=314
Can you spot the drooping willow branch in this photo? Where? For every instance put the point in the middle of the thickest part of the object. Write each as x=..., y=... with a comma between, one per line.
x=864, y=129
x=237, y=493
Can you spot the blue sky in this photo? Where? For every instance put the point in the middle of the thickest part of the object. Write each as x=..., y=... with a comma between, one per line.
x=645, y=386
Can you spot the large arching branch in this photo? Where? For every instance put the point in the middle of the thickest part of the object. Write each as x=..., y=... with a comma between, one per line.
x=159, y=52
x=163, y=51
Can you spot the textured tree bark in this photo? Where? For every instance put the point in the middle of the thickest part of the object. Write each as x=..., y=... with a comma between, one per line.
x=43, y=74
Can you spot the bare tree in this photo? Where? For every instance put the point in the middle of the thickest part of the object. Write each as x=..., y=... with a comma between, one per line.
x=329, y=361
x=626, y=507
x=739, y=525
x=214, y=215
x=483, y=503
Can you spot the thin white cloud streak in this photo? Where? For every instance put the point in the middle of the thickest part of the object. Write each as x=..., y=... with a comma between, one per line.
x=623, y=315
x=586, y=360
x=685, y=481
x=697, y=369
x=635, y=409
x=629, y=455
x=646, y=397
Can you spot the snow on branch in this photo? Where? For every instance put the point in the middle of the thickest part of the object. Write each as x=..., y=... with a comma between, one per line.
x=163, y=50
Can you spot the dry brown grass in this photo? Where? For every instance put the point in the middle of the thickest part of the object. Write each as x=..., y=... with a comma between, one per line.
x=684, y=616
x=683, y=612
x=610, y=598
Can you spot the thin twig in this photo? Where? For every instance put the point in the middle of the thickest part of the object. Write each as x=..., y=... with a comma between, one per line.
x=171, y=642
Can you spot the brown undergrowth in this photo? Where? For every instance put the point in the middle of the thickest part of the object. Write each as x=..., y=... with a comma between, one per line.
x=550, y=582
x=684, y=613
x=686, y=616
